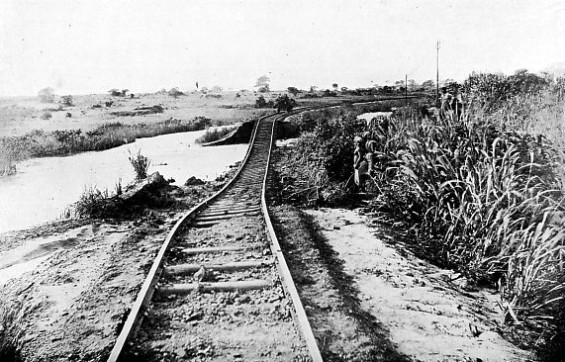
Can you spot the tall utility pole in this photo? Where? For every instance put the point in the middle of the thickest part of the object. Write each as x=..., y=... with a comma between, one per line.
x=406, y=88
x=437, y=71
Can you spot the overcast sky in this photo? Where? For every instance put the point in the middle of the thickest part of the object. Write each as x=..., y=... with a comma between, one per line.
x=78, y=46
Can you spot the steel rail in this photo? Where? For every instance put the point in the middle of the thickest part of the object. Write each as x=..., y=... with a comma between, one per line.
x=148, y=288
x=145, y=295
x=287, y=281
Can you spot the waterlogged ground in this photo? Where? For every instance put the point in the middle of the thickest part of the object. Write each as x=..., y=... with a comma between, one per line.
x=43, y=188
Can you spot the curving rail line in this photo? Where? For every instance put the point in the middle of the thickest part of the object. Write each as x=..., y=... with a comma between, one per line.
x=225, y=245
x=241, y=198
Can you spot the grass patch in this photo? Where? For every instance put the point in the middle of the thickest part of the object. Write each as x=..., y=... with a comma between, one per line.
x=12, y=315
x=214, y=134
x=59, y=143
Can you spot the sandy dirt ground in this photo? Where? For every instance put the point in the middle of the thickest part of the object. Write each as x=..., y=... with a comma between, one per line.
x=429, y=315
x=73, y=281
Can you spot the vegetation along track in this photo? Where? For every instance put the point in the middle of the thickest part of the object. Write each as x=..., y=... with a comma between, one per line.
x=219, y=288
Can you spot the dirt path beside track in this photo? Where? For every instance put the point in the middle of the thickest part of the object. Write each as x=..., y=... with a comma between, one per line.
x=371, y=299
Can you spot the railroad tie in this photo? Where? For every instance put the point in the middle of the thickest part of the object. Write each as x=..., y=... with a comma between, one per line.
x=238, y=265
x=219, y=286
x=214, y=249
x=203, y=218
x=228, y=212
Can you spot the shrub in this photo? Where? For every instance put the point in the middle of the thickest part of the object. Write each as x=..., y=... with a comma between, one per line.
x=293, y=90
x=94, y=203
x=140, y=165
x=175, y=93
x=67, y=101
x=46, y=116
x=262, y=103
x=285, y=103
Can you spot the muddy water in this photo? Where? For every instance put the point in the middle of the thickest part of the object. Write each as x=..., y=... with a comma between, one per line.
x=44, y=187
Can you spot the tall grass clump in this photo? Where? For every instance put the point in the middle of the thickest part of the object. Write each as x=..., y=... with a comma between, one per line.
x=12, y=314
x=140, y=164
x=95, y=203
x=483, y=194
x=214, y=134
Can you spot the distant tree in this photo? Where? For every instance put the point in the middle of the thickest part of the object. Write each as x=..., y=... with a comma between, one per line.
x=175, y=92
x=263, y=84
x=124, y=91
x=429, y=85
x=344, y=89
x=313, y=88
x=334, y=86
x=293, y=90
x=284, y=103
x=115, y=92
x=46, y=95
x=412, y=85
x=520, y=71
x=260, y=102
x=217, y=88
x=448, y=81
x=67, y=101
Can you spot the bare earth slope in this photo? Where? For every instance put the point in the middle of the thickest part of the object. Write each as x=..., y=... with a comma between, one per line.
x=429, y=317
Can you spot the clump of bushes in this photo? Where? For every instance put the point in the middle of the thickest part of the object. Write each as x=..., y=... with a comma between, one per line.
x=260, y=102
x=94, y=203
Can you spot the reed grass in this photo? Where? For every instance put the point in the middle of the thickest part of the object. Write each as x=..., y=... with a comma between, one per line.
x=483, y=194
x=58, y=143
x=12, y=333
x=140, y=164
x=213, y=134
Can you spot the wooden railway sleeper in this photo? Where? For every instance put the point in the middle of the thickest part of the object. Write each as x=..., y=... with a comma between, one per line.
x=187, y=288
x=237, y=265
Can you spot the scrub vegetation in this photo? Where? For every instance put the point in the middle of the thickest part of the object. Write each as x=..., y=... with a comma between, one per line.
x=39, y=143
x=214, y=134
x=482, y=194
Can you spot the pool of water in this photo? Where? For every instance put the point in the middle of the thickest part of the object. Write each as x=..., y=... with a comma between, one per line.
x=44, y=187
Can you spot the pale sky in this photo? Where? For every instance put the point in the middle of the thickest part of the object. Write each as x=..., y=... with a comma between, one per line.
x=78, y=46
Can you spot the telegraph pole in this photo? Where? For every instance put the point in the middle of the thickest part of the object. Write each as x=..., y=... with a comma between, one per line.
x=406, y=88
x=437, y=71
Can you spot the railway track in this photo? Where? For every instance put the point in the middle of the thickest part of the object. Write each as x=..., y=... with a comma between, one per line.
x=219, y=288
